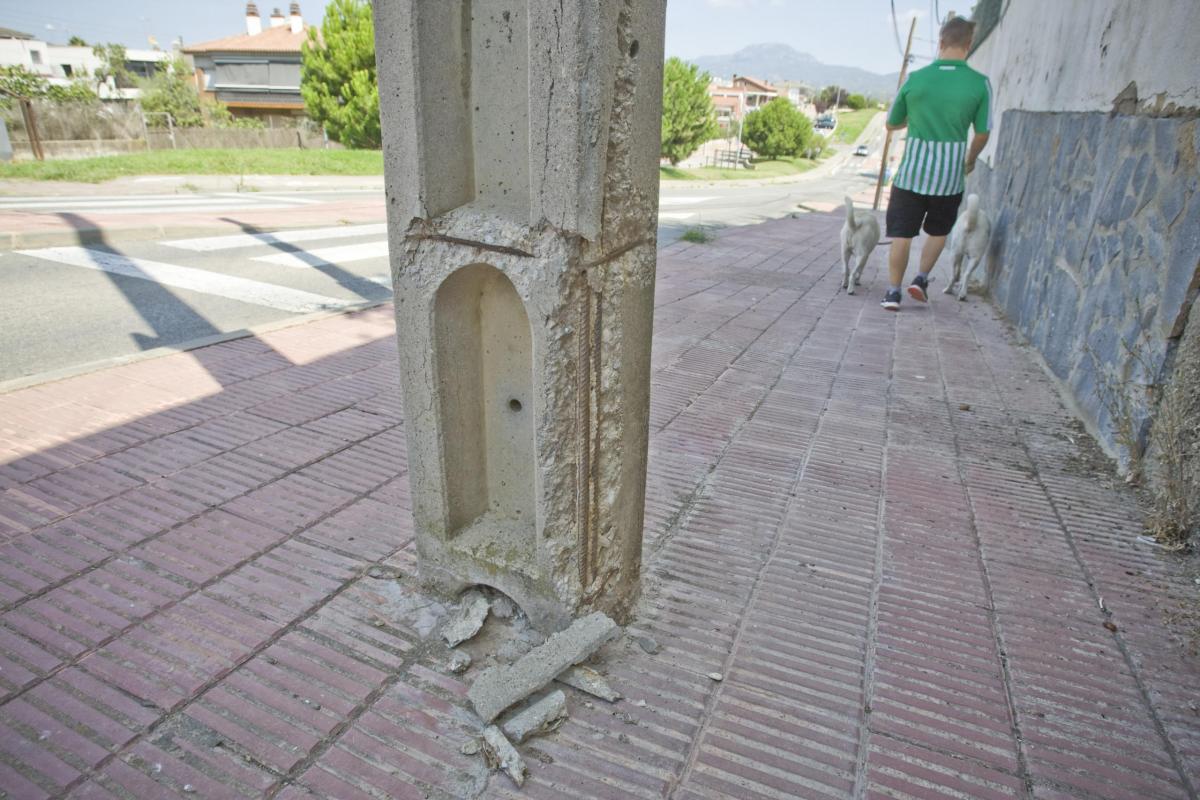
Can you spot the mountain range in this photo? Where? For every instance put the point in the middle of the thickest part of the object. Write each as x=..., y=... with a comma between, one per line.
x=776, y=62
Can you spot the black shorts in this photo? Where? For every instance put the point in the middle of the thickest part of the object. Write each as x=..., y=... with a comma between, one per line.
x=906, y=210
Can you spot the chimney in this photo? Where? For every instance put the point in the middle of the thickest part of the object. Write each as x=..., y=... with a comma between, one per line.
x=253, y=21
x=297, y=21
x=277, y=19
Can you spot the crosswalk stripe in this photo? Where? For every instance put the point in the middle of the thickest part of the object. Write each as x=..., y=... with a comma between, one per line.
x=196, y=280
x=682, y=201
x=208, y=244
x=328, y=255
x=145, y=202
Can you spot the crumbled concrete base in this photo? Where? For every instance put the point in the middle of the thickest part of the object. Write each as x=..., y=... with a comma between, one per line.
x=460, y=661
x=499, y=753
x=538, y=718
x=467, y=619
x=497, y=688
x=588, y=680
x=512, y=650
x=502, y=607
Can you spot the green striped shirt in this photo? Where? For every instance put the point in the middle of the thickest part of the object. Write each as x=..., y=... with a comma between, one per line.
x=940, y=103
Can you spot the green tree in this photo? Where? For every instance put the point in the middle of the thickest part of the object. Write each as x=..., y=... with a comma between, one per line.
x=171, y=92
x=112, y=65
x=830, y=97
x=337, y=74
x=689, y=119
x=777, y=129
x=77, y=41
x=856, y=102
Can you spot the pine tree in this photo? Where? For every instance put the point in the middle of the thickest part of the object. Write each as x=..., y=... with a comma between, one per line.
x=689, y=119
x=337, y=74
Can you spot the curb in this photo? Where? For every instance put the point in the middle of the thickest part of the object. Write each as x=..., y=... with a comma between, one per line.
x=43, y=378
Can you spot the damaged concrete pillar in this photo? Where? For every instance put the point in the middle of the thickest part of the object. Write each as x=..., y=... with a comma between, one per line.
x=521, y=143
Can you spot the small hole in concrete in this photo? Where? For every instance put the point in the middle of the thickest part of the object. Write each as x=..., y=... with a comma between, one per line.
x=514, y=404
x=633, y=48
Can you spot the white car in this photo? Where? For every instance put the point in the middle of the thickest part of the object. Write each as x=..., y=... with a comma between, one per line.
x=861, y=150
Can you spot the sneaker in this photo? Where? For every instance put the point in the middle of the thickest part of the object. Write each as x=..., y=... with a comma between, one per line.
x=919, y=289
x=891, y=300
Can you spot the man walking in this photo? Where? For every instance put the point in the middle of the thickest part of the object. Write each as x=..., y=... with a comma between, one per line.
x=938, y=104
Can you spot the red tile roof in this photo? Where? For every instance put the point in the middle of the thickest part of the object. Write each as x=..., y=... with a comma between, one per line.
x=272, y=40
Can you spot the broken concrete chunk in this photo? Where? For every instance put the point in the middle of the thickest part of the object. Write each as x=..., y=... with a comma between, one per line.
x=497, y=688
x=538, y=718
x=499, y=753
x=716, y=676
x=503, y=607
x=469, y=747
x=467, y=619
x=459, y=662
x=648, y=644
x=588, y=680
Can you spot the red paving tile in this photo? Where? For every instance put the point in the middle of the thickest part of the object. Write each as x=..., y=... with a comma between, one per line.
x=903, y=596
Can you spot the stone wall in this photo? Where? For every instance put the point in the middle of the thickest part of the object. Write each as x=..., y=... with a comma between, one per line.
x=1096, y=253
x=1091, y=55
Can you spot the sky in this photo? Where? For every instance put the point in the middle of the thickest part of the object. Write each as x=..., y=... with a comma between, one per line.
x=849, y=32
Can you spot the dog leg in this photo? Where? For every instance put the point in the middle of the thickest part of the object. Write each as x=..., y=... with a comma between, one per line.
x=954, y=277
x=846, y=272
x=858, y=270
x=962, y=287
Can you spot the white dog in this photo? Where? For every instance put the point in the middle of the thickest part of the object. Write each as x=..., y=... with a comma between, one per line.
x=969, y=242
x=860, y=234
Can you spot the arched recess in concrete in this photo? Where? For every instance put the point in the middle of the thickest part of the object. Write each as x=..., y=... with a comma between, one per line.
x=484, y=362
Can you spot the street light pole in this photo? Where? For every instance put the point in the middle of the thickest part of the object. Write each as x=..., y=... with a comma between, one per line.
x=887, y=139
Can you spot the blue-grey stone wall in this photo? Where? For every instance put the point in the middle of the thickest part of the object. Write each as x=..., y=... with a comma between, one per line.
x=1096, y=250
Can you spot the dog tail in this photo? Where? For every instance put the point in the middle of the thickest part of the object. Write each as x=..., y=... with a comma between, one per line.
x=972, y=211
x=850, y=212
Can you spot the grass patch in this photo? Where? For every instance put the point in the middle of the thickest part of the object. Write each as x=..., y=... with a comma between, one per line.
x=697, y=236
x=851, y=124
x=259, y=161
x=767, y=168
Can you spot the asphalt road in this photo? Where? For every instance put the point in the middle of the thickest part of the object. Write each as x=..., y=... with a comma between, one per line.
x=72, y=307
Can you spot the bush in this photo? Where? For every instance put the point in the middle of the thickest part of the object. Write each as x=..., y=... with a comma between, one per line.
x=170, y=92
x=856, y=102
x=777, y=129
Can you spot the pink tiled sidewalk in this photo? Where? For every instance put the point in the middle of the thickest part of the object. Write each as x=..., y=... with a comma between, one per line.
x=882, y=529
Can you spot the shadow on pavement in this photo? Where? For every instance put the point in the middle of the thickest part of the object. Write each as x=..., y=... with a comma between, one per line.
x=364, y=288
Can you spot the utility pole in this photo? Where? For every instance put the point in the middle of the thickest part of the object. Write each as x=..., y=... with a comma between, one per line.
x=887, y=139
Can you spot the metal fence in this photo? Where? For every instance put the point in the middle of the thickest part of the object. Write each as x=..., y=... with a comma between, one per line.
x=81, y=130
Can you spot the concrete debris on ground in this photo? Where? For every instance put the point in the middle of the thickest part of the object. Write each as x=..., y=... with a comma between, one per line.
x=499, y=753
x=588, y=680
x=716, y=676
x=499, y=687
x=469, y=747
x=460, y=662
x=539, y=717
x=649, y=644
x=467, y=619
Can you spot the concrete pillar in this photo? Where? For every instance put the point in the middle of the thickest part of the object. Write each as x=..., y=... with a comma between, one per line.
x=521, y=143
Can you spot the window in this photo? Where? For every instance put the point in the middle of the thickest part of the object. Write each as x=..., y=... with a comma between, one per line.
x=35, y=56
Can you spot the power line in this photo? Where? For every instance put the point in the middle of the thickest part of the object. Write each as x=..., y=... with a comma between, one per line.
x=896, y=30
